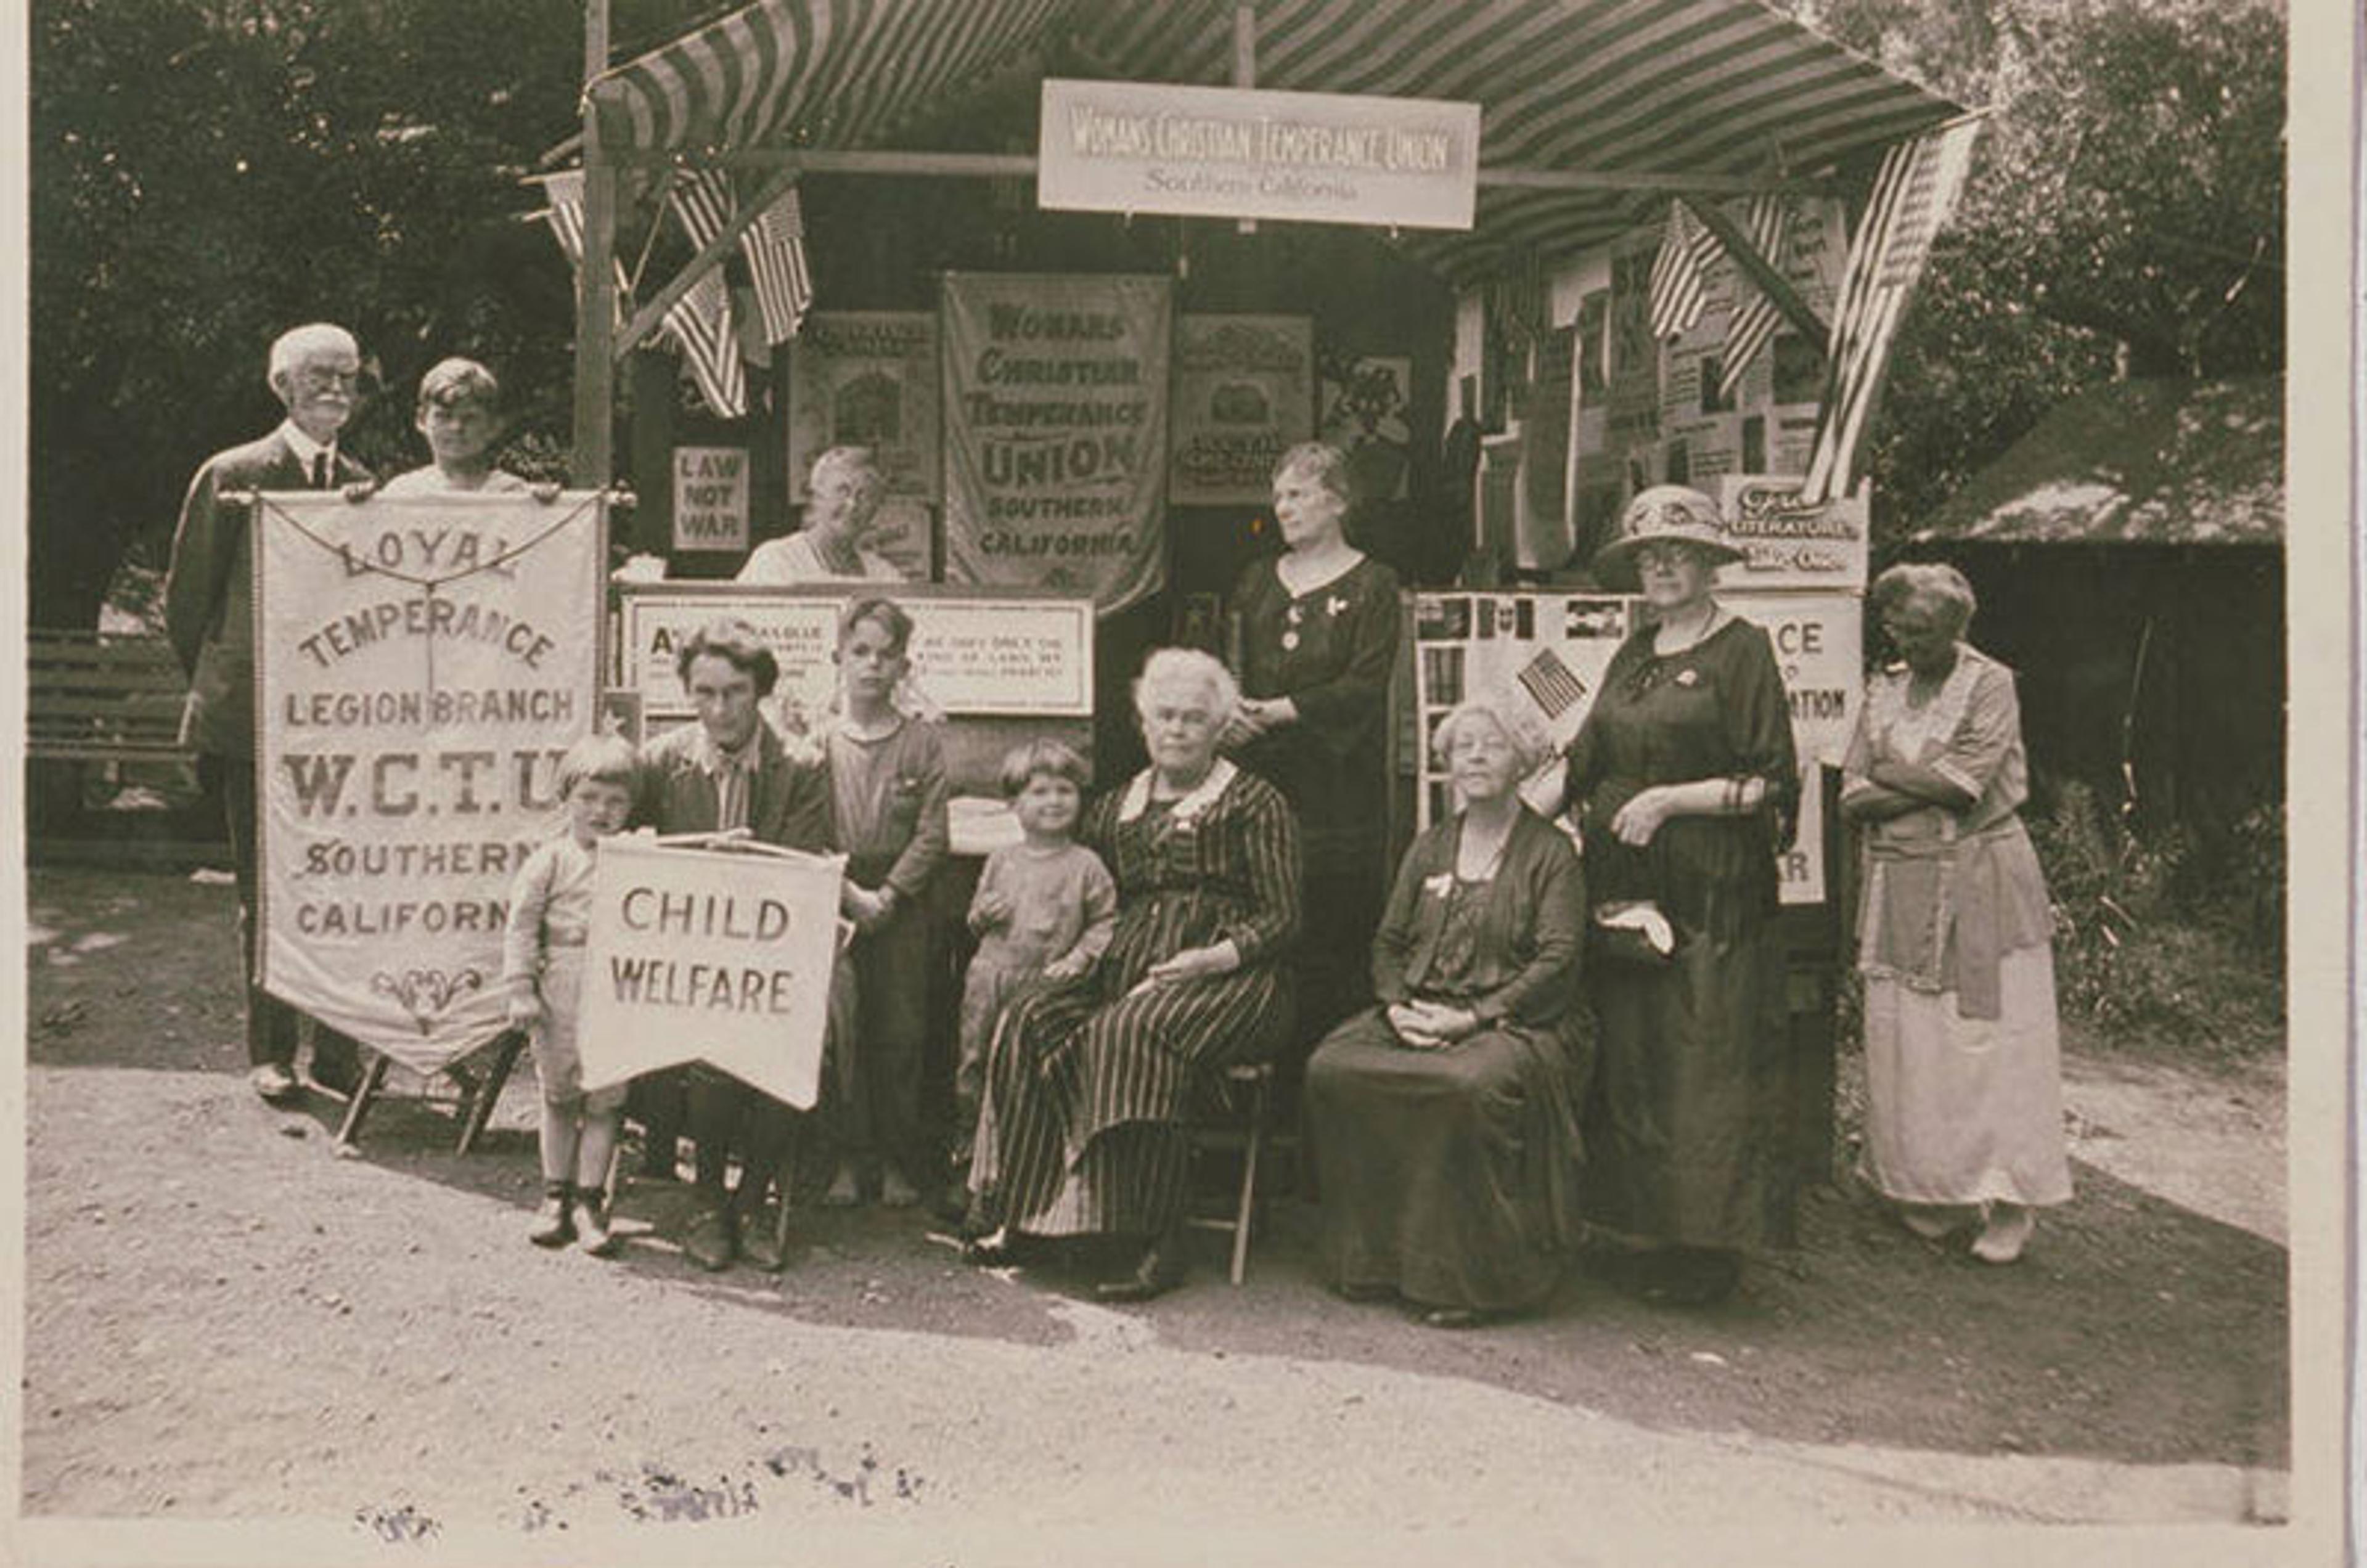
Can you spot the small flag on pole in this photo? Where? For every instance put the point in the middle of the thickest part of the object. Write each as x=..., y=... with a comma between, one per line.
x=776, y=248
x=700, y=321
x=1913, y=194
x=1677, y=290
x=565, y=191
x=1755, y=316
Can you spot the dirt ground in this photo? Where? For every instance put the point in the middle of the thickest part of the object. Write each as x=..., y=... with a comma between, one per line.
x=223, y=1318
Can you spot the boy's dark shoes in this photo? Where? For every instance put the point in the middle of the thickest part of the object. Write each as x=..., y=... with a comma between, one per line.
x=709, y=1241
x=553, y=1226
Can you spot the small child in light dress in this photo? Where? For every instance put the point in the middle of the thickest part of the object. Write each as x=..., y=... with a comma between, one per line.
x=542, y=966
x=1046, y=909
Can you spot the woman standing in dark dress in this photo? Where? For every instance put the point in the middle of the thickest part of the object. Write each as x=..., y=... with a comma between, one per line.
x=1318, y=633
x=1445, y=1121
x=1685, y=780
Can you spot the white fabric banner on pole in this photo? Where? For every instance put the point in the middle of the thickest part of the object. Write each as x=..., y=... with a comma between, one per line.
x=422, y=664
x=719, y=956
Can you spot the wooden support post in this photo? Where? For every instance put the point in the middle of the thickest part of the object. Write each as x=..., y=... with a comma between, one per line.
x=358, y=1107
x=1245, y=76
x=481, y=1104
x=595, y=284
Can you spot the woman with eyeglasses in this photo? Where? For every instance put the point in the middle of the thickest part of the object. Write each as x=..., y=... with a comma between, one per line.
x=846, y=489
x=1684, y=779
x=1964, y=1073
x=1444, y=1121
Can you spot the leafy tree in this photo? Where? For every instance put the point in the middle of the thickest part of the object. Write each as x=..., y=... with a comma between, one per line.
x=207, y=173
x=2126, y=213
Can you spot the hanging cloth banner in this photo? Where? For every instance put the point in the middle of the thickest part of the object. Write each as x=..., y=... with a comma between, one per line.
x=1055, y=433
x=422, y=664
x=722, y=956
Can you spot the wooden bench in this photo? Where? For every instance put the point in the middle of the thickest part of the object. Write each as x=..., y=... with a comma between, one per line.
x=102, y=697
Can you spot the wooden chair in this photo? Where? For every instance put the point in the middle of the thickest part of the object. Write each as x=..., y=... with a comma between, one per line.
x=1239, y=1100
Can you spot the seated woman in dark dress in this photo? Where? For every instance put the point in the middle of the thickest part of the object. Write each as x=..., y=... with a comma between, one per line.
x=1088, y=1082
x=1445, y=1121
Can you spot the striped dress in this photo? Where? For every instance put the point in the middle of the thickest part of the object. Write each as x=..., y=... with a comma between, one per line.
x=1087, y=1088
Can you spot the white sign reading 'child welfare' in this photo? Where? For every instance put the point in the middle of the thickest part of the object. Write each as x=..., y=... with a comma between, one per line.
x=424, y=662
x=715, y=956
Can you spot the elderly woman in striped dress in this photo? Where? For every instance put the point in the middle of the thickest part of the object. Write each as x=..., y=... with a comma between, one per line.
x=1088, y=1084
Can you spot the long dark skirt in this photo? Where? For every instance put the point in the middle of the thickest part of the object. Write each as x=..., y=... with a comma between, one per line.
x=1686, y=1122
x=1450, y=1176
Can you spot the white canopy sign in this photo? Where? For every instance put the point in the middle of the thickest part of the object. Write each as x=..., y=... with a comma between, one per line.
x=1238, y=152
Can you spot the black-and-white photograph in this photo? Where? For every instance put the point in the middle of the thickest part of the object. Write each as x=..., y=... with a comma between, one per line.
x=958, y=781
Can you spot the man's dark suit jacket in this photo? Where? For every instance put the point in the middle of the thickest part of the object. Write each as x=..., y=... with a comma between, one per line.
x=209, y=592
x=788, y=805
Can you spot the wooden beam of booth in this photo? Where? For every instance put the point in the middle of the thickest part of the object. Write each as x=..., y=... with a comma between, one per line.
x=645, y=319
x=1021, y=165
x=1772, y=283
x=788, y=163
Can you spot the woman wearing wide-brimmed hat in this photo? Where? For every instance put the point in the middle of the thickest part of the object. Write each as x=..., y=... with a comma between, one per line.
x=1685, y=782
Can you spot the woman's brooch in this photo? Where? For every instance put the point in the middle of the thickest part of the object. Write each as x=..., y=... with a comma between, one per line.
x=1688, y=676
x=1439, y=887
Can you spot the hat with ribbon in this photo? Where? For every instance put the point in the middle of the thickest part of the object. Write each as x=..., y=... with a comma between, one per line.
x=1661, y=515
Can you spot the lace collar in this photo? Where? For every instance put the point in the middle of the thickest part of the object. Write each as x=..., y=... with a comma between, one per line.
x=1202, y=795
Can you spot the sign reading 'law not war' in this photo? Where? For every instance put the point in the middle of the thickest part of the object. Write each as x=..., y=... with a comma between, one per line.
x=422, y=663
x=707, y=954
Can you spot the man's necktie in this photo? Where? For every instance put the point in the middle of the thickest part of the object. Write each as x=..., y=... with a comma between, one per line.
x=320, y=469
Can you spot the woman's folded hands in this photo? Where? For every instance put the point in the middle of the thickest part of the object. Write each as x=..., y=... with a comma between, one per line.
x=1431, y=1026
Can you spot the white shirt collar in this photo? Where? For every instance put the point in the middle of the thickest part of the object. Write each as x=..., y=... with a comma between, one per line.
x=304, y=446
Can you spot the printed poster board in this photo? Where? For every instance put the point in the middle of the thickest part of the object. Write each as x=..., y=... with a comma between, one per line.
x=424, y=663
x=1366, y=406
x=1788, y=544
x=714, y=955
x=869, y=378
x=1055, y=393
x=1244, y=395
x=1543, y=653
x=710, y=498
x=972, y=653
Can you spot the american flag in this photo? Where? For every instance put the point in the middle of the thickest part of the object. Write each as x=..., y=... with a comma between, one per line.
x=1686, y=249
x=1755, y=316
x=1553, y=685
x=700, y=321
x=776, y=248
x=566, y=218
x=1913, y=195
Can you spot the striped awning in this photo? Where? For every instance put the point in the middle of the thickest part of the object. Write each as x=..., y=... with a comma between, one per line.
x=1666, y=88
